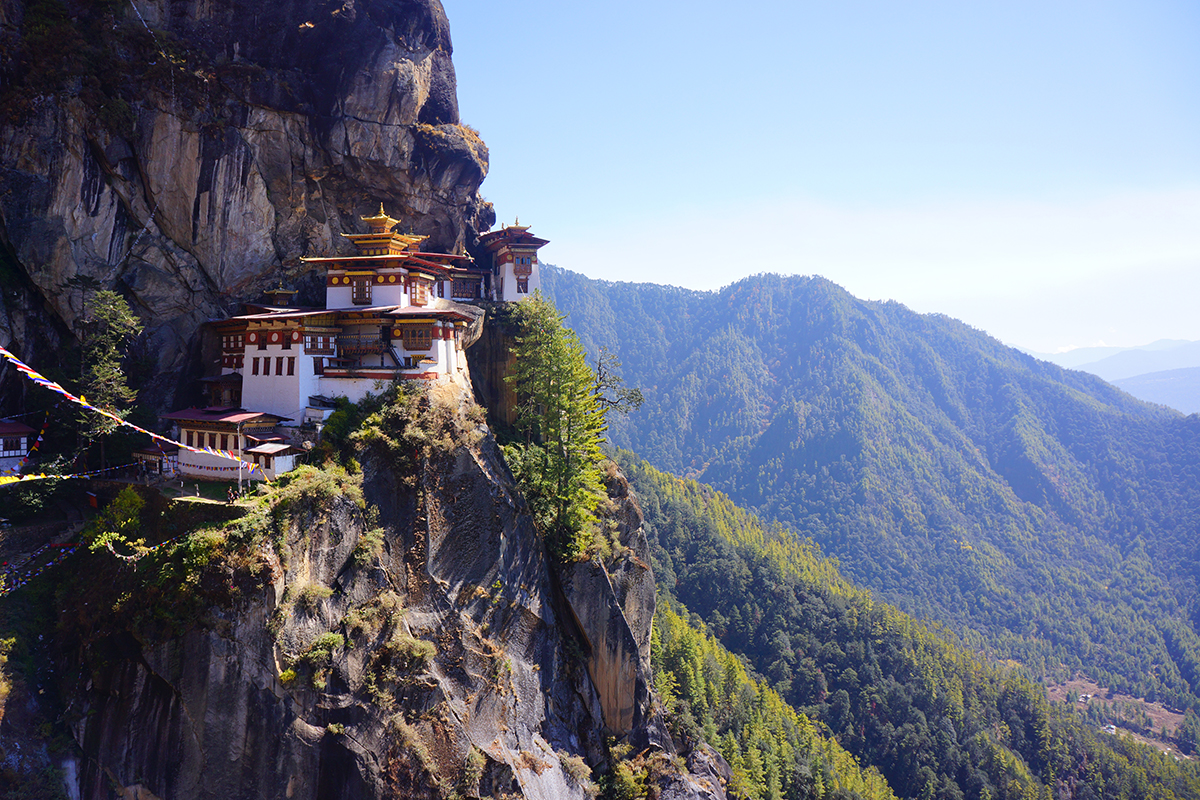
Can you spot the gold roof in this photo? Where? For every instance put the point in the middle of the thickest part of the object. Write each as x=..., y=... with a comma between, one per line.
x=381, y=222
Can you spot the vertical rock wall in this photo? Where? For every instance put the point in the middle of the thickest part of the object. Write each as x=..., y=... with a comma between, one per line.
x=194, y=151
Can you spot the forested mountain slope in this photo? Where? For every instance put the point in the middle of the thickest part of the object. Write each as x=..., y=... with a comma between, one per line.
x=1045, y=514
x=933, y=719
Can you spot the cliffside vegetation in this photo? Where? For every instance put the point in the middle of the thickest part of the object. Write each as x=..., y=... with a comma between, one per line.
x=555, y=453
x=1041, y=513
x=903, y=698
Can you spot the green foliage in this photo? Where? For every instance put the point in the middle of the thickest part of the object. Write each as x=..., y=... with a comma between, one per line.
x=931, y=717
x=108, y=325
x=1040, y=513
x=118, y=524
x=310, y=595
x=773, y=751
x=561, y=424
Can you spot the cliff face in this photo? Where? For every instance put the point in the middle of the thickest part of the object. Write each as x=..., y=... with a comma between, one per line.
x=190, y=153
x=394, y=635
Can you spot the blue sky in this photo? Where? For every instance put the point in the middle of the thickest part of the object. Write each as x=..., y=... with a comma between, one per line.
x=1030, y=168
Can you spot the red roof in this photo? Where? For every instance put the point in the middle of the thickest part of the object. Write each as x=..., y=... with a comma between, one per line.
x=511, y=235
x=15, y=429
x=212, y=414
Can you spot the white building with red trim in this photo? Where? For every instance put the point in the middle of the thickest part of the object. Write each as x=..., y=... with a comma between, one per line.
x=513, y=251
x=15, y=441
x=392, y=312
x=386, y=317
x=249, y=435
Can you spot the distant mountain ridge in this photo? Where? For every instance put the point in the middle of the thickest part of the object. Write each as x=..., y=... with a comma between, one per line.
x=1154, y=372
x=1083, y=357
x=1176, y=388
x=1044, y=513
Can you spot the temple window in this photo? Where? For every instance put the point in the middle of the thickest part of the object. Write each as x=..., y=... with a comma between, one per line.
x=418, y=338
x=360, y=290
x=254, y=366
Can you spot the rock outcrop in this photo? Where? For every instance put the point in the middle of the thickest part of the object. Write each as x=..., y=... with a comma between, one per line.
x=397, y=634
x=190, y=153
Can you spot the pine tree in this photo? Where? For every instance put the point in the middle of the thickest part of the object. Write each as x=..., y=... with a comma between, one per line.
x=562, y=425
x=108, y=327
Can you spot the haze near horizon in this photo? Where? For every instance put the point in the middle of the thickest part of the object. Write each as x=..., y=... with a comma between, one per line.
x=1031, y=170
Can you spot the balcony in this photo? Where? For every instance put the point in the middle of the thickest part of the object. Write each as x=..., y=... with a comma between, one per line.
x=360, y=343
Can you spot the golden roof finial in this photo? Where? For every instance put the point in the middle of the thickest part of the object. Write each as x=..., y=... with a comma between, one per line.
x=382, y=213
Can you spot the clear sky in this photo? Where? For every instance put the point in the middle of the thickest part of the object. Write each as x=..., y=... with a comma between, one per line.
x=1032, y=168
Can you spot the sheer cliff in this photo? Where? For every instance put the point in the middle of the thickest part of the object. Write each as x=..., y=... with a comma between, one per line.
x=188, y=154
x=391, y=632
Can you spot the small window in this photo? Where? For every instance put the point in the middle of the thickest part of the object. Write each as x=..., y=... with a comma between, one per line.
x=441, y=288
x=318, y=366
x=254, y=366
x=522, y=285
x=287, y=340
x=212, y=441
x=11, y=444
x=224, y=441
x=360, y=291
x=278, y=365
x=189, y=441
x=291, y=365
x=262, y=341
x=239, y=362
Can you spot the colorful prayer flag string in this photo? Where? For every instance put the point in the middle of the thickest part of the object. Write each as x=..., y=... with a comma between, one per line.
x=44, y=382
x=7, y=479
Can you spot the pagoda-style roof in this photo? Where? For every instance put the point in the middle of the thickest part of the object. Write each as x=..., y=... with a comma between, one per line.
x=381, y=222
x=510, y=235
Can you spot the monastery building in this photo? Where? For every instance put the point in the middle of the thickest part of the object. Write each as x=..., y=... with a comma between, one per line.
x=391, y=312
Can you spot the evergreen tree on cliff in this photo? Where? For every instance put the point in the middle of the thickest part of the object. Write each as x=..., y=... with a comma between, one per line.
x=561, y=423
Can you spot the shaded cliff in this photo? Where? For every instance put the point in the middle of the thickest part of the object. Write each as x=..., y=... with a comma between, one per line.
x=190, y=153
x=390, y=633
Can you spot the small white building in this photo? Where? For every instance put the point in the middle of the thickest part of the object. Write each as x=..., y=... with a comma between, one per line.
x=158, y=458
x=233, y=430
x=515, y=274
x=15, y=441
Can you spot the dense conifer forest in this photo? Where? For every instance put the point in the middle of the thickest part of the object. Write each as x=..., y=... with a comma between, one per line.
x=1041, y=514
x=932, y=718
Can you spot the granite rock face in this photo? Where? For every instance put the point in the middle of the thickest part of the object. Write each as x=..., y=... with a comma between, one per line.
x=192, y=152
x=446, y=660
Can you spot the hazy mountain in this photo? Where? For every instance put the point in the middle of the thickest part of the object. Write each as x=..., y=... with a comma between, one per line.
x=1117, y=363
x=1177, y=388
x=1044, y=513
x=1184, y=355
x=1079, y=357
